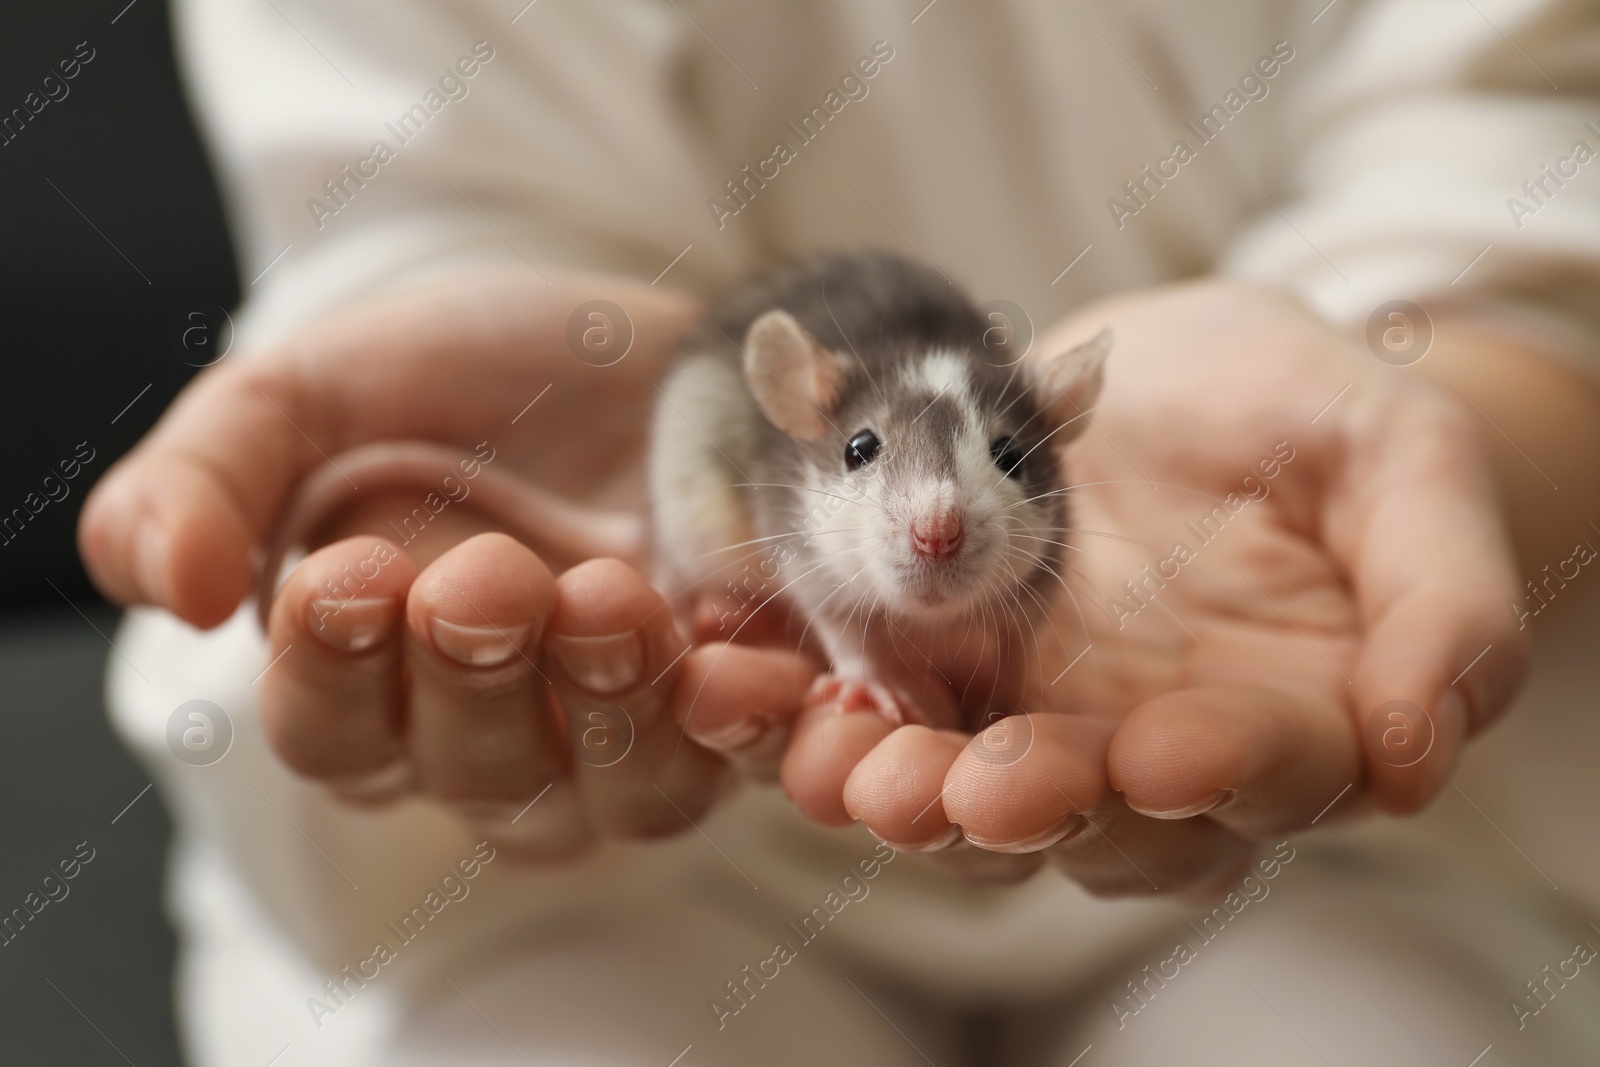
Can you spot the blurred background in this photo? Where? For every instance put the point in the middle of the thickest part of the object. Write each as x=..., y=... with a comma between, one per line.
x=117, y=267
x=113, y=242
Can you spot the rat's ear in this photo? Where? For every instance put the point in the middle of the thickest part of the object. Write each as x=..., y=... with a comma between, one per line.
x=793, y=377
x=1069, y=384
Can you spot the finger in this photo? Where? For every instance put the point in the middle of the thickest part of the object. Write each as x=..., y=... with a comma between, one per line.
x=825, y=746
x=714, y=618
x=173, y=523
x=331, y=703
x=1413, y=516
x=483, y=735
x=615, y=659
x=896, y=789
x=1438, y=665
x=742, y=703
x=161, y=528
x=1022, y=784
x=1258, y=761
x=980, y=866
x=1037, y=784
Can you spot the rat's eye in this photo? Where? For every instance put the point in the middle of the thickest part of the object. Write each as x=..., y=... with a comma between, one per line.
x=1007, y=456
x=859, y=452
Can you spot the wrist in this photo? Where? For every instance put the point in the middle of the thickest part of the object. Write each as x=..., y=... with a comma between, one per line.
x=1518, y=373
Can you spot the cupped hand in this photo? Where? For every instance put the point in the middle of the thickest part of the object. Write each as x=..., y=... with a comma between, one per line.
x=414, y=652
x=1284, y=603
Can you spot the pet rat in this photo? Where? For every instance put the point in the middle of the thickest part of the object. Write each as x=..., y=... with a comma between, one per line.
x=839, y=439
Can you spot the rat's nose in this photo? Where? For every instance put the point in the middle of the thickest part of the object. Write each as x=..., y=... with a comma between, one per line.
x=936, y=534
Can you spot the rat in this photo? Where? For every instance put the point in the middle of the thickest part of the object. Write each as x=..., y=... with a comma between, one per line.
x=842, y=440
x=839, y=440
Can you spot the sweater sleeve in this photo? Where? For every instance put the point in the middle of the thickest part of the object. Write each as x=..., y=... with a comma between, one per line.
x=362, y=145
x=1447, y=152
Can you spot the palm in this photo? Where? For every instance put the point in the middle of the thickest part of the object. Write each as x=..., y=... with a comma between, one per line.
x=1271, y=536
x=1248, y=595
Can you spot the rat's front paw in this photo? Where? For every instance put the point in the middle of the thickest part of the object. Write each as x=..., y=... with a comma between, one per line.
x=852, y=696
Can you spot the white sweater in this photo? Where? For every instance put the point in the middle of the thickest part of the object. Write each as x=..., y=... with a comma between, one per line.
x=1037, y=151
x=1359, y=153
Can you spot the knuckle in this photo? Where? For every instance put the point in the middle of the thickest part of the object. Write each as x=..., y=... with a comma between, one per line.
x=487, y=789
x=497, y=686
x=305, y=751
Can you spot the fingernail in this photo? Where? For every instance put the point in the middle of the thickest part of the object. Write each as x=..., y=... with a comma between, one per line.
x=354, y=625
x=760, y=760
x=390, y=781
x=1043, y=839
x=1199, y=807
x=732, y=737
x=938, y=844
x=607, y=664
x=1452, y=722
x=479, y=646
x=1452, y=714
x=151, y=550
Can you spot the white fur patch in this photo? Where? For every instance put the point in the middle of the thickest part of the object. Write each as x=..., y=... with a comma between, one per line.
x=942, y=372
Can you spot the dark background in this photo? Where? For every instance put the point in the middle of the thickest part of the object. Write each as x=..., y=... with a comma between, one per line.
x=91, y=291
x=84, y=331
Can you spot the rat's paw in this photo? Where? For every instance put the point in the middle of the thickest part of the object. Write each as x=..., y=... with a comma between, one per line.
x=850, y=696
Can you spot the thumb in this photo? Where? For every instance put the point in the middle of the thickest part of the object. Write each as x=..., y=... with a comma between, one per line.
x=1414, y=515
x=177, y=522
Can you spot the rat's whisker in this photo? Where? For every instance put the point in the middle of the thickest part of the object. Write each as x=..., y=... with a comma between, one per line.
x=863, y=363
x=1077, y=608
x=1047, y=495
x=1021, y=610
x=1131, y=481
x=815, y=615
x=1043, y=607
x=1099, y=533
x=753, y=541
x=757, y=609
x=803, y=489
x=1063, y=544
x=866, y=618
x=701, y=585
x=1042, y=441
x=1021, y=393
x=694, y=701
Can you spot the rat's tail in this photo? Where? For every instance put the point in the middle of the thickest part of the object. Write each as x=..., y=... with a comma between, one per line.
x=560, y=531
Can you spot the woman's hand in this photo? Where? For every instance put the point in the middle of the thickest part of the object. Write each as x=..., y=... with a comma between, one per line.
x=1288, y=589
x=436, y=658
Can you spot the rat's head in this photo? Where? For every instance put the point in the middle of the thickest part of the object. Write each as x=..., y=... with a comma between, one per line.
x=932, y=474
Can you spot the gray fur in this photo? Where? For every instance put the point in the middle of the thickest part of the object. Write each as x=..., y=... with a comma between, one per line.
x=886, y=315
